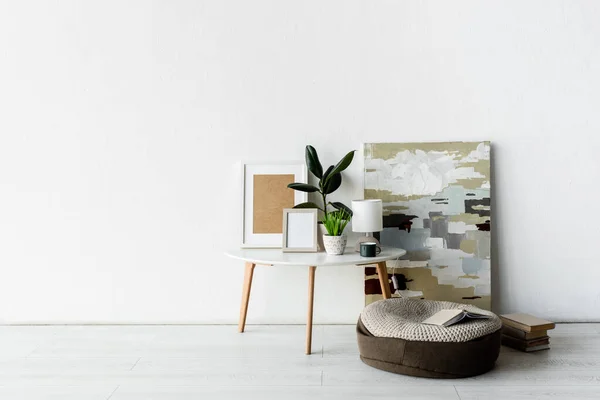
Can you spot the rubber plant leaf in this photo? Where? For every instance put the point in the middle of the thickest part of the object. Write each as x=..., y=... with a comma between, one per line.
x=333, y=183
x=341, y=206
x=308, y=204
x=312, y=162
x=303, y=187
x=340, y=166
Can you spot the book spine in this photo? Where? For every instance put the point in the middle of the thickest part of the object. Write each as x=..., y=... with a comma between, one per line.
x=514, y=332
x=537, y=348
x=519, y=334
x=523, y=345
x=516, y=325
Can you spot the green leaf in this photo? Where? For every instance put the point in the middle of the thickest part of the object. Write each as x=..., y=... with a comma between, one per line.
x=312, y=162
x=308, y=204
x=340, y=166
x=325, y=175
x=335, y=222
x=333, y=184
x=303, y=187
x=341, y=206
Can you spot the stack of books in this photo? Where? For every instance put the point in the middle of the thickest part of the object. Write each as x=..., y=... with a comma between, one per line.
x=525, y=332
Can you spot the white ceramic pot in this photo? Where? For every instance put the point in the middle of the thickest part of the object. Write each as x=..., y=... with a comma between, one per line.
x=335, y=245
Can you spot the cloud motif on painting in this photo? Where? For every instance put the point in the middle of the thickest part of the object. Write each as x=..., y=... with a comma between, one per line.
x=424, y=173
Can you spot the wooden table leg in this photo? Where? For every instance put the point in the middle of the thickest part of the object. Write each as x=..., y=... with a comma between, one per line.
x=311, y=295
x=249, y=272
x=384, y=280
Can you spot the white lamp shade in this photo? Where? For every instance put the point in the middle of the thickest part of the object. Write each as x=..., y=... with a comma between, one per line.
x=368, y=216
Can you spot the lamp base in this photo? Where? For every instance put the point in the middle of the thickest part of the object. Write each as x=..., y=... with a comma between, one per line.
x=364, y=239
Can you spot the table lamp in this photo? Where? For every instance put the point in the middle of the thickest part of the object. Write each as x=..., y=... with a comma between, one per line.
x=367, y=218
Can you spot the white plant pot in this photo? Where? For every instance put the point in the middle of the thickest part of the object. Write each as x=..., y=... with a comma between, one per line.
x=335, y=245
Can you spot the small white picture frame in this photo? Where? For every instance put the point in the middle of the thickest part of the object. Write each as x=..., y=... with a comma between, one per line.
x=299, y=230
x=254, y=236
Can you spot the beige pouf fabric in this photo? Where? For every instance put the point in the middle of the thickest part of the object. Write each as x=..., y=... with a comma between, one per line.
x=391, y=337
x=401, y=318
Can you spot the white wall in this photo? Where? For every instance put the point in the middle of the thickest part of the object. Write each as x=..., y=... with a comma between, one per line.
x=121, y=123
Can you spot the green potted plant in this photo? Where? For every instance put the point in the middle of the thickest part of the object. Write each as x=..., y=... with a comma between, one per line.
x=335, y=222
x=329, y=181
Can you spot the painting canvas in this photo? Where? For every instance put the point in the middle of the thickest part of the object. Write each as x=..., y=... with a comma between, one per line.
x=436, y=205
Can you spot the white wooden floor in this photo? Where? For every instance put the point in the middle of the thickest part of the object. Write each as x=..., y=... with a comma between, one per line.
x=266, y=362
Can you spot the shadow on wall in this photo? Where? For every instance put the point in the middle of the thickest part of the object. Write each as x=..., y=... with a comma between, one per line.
x=496, y=306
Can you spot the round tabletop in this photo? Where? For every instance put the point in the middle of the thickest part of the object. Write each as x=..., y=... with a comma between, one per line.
x=320, y=259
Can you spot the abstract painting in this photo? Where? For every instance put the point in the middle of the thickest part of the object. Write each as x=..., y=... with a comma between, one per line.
x=436, y=205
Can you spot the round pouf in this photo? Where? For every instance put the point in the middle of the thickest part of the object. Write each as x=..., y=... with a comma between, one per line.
x=391, y=337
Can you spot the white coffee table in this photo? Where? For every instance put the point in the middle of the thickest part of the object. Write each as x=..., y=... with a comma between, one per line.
x=276, y=257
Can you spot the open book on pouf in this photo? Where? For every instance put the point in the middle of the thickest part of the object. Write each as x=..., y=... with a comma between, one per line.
x=451, y=317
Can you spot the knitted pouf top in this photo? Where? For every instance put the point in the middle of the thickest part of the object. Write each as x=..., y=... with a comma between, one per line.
x=402, y=318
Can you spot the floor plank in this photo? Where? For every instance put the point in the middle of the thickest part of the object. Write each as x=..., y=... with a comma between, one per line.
x=546, y=360
x=342, y=377
x=66, y=365
x=528, y=392
x=89, y=392
x=175, y=378
x=127, y=392
x=268, y=361
x=246, y=363
x=180, y=341
x=339, y=341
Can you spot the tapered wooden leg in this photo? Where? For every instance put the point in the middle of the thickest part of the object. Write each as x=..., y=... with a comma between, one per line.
x=384, y=280
x=311, y=295
x=246, y=295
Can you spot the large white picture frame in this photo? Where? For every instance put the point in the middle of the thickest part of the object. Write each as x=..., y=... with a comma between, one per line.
x=259, y=231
